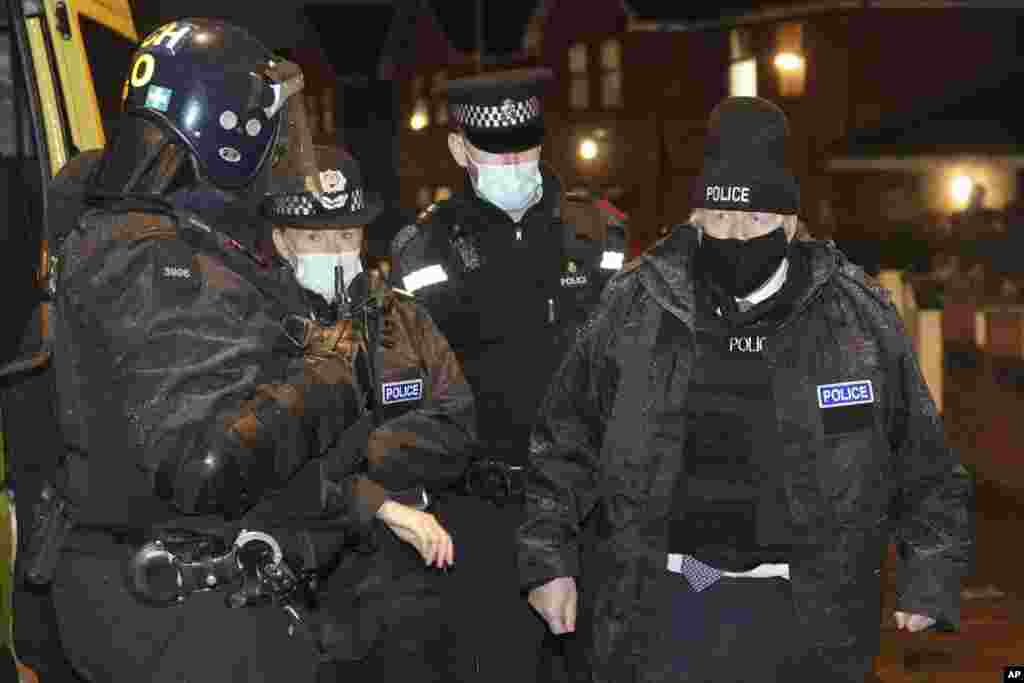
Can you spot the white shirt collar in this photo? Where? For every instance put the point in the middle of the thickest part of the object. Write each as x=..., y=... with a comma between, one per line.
x=769, y=288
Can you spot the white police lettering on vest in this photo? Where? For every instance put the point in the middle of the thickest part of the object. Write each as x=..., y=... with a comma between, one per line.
x=845, y=394
x=746, y=344
x=732, y=193
x=400, y=392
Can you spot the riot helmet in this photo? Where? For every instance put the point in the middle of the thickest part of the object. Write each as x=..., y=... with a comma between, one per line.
x=219, y=92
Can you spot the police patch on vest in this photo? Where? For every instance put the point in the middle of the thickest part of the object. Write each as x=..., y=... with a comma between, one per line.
x=400, y=392
x=845, y=394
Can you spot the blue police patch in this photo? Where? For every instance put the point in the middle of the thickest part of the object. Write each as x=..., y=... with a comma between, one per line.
x=400, y=392
x=845, y=394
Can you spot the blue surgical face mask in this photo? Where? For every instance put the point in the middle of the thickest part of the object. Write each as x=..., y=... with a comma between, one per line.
x=315, y=272
x=511, y=187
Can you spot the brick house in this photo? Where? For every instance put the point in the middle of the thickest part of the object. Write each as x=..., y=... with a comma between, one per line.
x=634, y=87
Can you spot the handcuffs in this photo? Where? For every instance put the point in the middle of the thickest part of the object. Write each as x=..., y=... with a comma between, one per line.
x=166, y=571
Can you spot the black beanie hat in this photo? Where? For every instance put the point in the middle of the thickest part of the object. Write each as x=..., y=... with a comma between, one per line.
x=745, y=159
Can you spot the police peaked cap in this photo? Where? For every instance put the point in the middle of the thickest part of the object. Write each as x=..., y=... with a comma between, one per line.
x=500, y=111
x=295, y=201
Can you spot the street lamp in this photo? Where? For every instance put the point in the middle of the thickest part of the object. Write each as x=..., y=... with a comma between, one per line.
x=419, y=119
x=588, y=149
x=961, y=188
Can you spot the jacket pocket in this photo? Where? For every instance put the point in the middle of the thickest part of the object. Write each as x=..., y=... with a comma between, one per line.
x=853, y=475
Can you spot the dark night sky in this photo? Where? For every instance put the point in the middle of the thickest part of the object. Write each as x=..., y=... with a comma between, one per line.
x=352, y=52
x=685, y=11
x=504, y=23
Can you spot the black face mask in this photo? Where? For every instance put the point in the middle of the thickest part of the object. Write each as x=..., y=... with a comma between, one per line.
x=739, y=267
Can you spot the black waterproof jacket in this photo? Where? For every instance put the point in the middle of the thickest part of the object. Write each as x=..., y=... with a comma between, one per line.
x=610, y=443
x=178, y=348
x=508, y=296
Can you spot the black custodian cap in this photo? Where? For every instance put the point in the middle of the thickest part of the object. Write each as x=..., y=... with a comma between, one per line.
x=296, y=202
x=500, y=111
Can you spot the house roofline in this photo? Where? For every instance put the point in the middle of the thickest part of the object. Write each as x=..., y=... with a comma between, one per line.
x=781, y=13
x=919, y=162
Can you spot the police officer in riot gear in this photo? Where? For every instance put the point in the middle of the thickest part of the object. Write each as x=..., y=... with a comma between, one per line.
x=508, y=269
x=193, y=425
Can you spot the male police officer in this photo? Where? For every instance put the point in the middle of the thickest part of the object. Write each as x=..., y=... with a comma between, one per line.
x=508, y=269
x=419, y=442
x=185, y=402
x=747, y=422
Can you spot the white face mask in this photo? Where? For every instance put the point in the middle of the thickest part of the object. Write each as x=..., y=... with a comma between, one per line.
x=315, y=272
x=511, y=187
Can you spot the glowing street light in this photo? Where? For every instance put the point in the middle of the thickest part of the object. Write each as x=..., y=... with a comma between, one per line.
x=961, y=188
x=788, y=61
x=418, y=121
x=588, y=149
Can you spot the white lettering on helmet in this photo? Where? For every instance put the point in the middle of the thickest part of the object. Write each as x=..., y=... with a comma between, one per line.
x=430, y=275
x=172, y=33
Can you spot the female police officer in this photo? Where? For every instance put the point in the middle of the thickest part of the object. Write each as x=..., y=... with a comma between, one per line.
x=386, y=603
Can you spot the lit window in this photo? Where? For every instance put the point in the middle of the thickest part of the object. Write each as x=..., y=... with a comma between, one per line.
x=611, y=74
x=789, y=59
x=611, y=55
x=423, y=197
x=578, y=58
x=579, y=93
x=739, y=45
x=611, y=90
x=442, y=193
x=743, y=78
x=579, y=83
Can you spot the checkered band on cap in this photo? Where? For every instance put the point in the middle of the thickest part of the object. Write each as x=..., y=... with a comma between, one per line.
x=508, y=114
x=317, y=204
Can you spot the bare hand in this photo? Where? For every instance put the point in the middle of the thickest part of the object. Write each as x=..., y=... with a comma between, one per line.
x=555, y=601
x=912, y=622
x=420, y=530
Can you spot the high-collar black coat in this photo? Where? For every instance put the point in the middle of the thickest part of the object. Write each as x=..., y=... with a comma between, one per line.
x=610, y=441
